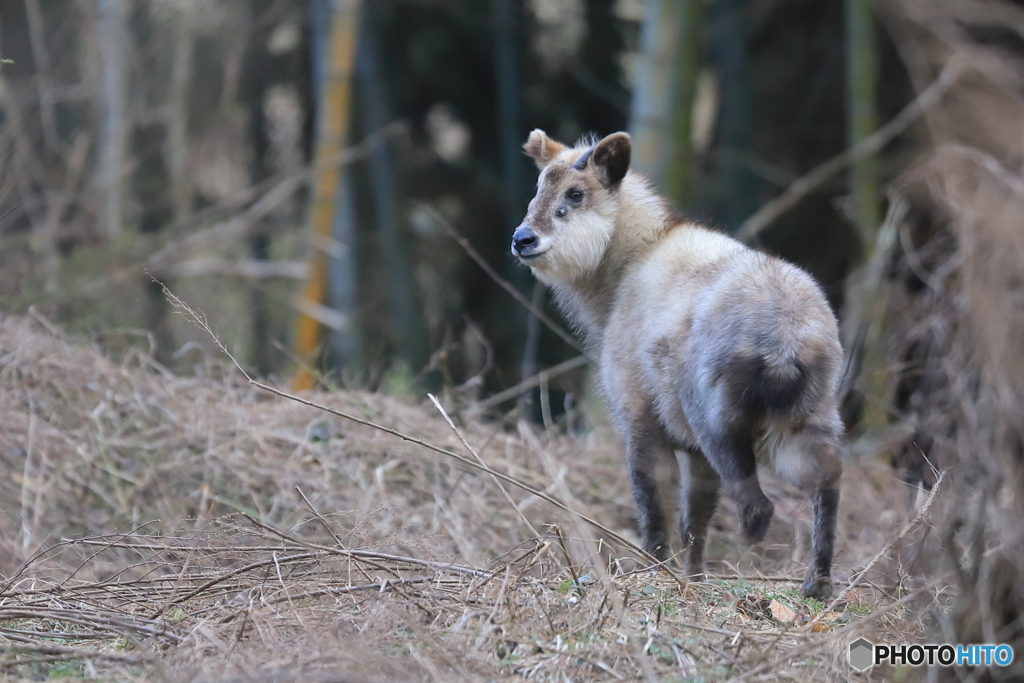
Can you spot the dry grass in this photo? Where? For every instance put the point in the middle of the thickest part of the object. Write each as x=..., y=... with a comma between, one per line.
x=201, y=528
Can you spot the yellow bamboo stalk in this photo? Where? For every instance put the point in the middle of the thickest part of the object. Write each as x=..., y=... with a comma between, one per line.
x=335, y=113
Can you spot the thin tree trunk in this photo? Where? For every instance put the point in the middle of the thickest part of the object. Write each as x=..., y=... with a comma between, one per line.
x=739, y=198
x=342, y=275
x=510, y=133
x=679, y=174
x=861, y=115
x=650, y=114
x=113, y=54
x=176, y=150
x=406, y=316
x=661, y=112
x=252, y=87
x=864, y=289
x=346, y=346
x=505, y=17
x=41, y=56
x=335, y=109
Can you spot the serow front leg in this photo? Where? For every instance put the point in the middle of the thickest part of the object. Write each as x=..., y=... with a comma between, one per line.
x=698, y=499
x=650, y=515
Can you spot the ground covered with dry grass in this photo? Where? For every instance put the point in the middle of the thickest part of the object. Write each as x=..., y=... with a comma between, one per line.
x=158, y=527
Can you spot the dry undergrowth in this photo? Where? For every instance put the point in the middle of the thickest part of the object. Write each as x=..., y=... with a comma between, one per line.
x=200, y=528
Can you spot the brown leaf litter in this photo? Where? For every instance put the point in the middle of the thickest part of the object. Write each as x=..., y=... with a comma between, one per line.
x=198, y=528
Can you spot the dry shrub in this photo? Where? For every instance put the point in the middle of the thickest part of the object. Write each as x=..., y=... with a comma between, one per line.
x=956, y=312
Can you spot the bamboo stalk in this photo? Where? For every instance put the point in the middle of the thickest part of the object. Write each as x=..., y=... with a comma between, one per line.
x=650, y=110
x=113, y=48
x=335, y=111
x=679, y=173
x=861, y=115
x=176, y=144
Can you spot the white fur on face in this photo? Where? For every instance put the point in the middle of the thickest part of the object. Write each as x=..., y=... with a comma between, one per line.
x=576, y=247
x=573, y=246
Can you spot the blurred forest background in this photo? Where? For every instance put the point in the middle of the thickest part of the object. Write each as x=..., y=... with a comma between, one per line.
x=299, y=170
x=236, y=150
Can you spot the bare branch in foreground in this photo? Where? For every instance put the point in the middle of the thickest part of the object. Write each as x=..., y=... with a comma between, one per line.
x=515, y=506
x=203, y=324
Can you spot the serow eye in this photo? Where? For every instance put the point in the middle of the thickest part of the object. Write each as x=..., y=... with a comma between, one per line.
x=574, y=195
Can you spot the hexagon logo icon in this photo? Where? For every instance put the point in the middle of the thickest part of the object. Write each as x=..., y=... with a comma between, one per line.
x=861, y=654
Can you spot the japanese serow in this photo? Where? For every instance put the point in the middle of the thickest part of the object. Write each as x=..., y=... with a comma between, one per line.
x=713, y=356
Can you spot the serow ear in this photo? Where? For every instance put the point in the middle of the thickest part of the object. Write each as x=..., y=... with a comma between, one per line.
x=610, y=158
x=542, y=149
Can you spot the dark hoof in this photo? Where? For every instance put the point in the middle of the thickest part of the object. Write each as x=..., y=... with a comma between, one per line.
x=696, y=575
x=819, y=588
x=695, y=568
x=756, y=518
x=658, y=548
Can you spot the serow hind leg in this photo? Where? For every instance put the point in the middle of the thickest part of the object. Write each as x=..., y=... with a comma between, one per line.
x=699, y=491
x=731, y=453
x=818, y=583
x=646, y=456
x=810, y=460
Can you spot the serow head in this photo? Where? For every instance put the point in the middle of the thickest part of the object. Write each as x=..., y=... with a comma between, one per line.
x=571, y=219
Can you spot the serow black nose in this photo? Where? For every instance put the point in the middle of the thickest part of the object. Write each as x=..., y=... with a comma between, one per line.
x=524, y=239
